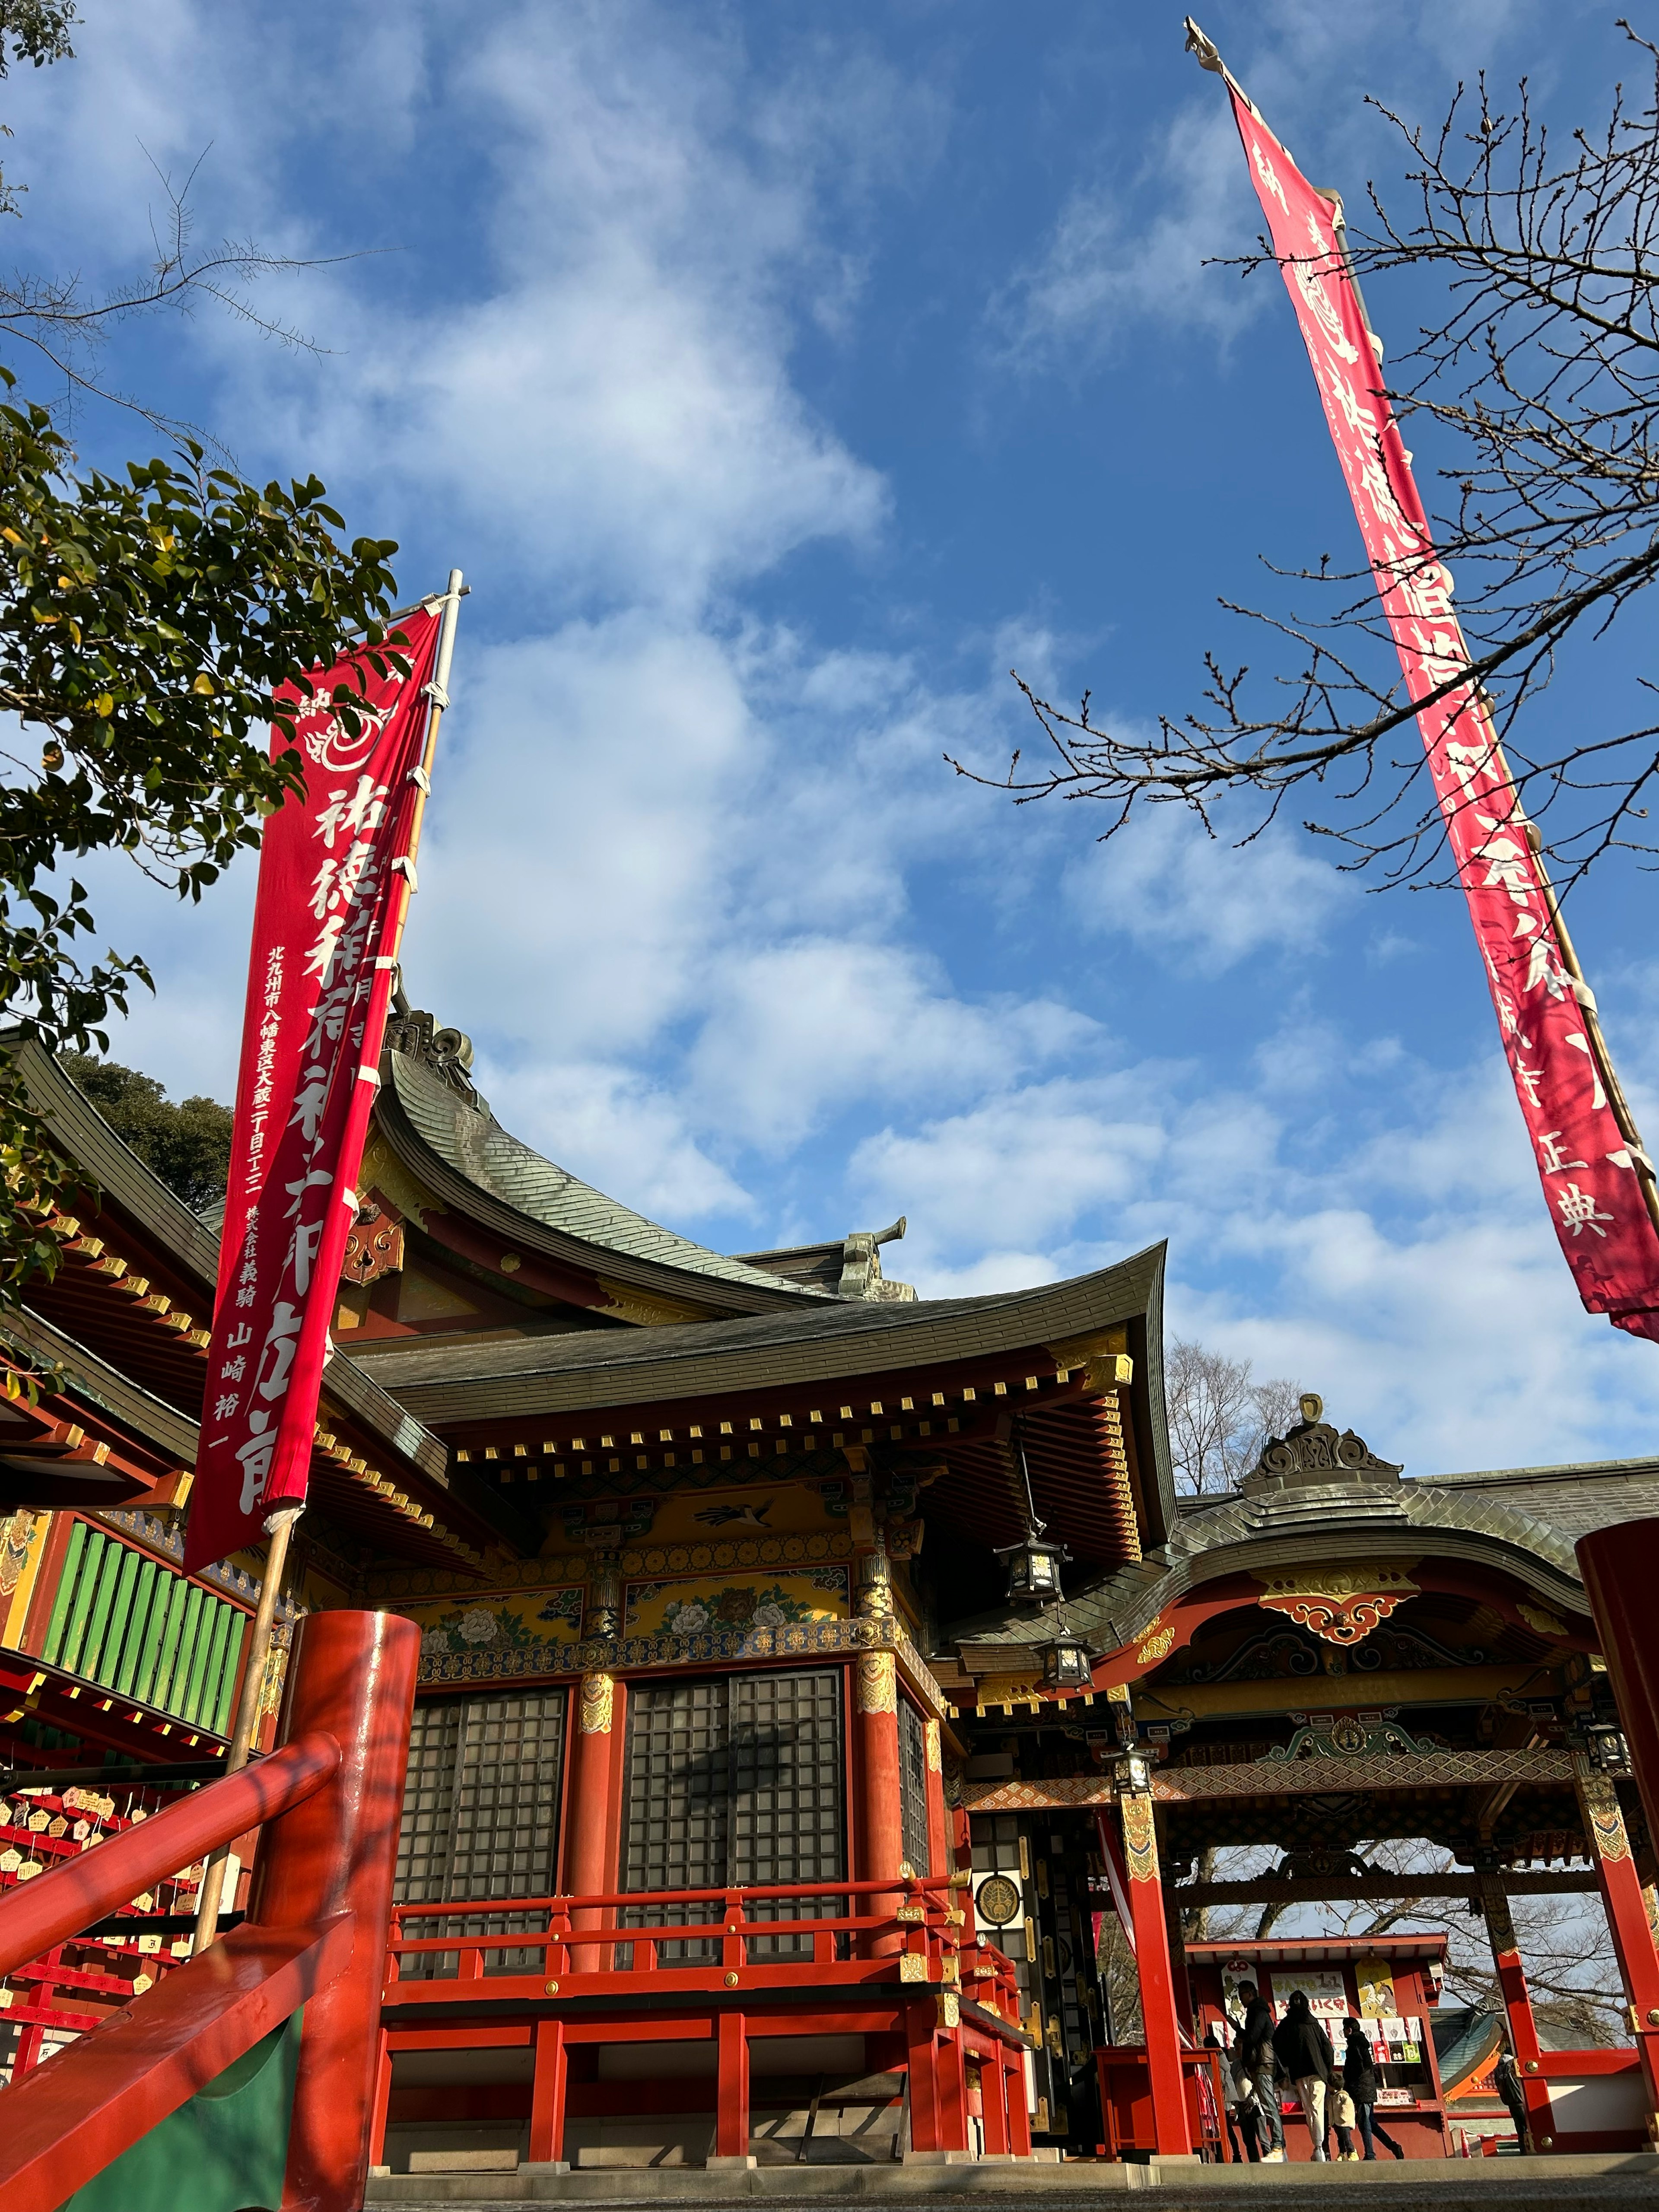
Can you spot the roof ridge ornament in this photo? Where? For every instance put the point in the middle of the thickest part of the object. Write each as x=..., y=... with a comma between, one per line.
x=448, y=1053
x=1314, y=1452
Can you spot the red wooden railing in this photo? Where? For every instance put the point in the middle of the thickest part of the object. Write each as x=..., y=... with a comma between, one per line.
x=328, y=1806
x=907, y=1966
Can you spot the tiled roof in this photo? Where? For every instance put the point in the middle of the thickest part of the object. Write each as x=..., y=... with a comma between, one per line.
x=471, y=1143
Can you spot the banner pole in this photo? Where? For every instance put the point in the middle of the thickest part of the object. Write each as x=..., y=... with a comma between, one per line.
x=280, y=1527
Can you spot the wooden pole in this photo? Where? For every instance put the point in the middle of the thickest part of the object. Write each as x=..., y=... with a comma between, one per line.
x=280, y=1527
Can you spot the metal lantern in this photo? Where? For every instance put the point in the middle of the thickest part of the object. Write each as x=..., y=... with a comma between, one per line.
x=1033, y=1570
x=1066, y=1663
x=1132, y=1771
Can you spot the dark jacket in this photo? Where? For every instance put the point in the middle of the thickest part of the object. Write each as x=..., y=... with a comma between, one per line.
x=1304, y=2047
x=1359, y=2072
x=1256, y=2033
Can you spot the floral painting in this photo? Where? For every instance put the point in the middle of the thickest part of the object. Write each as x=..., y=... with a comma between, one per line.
x=693, y=1606
x=520, y=1622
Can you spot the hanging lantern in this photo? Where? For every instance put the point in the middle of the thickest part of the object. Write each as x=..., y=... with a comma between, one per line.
x=1033, y=1570
x=1066, y=1664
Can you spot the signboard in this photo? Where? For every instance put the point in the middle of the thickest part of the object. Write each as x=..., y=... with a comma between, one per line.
x=1325, y=1987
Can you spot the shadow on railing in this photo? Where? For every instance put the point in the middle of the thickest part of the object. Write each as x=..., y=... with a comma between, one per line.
x=328, y=1804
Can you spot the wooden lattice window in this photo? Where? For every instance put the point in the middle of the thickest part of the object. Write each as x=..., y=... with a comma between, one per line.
x=735, y=1781
x=913, y=1787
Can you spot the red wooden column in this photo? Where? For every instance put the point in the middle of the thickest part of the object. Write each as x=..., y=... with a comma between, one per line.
x=547, y=2097
x=1627, y=1918
x=590, y=1856
x=927, y=2128
x=352, y=1676
x=939, y=1843
x=732, y=2100
x=1517, y=2005
x=1170, y=2128
x=881, y=1819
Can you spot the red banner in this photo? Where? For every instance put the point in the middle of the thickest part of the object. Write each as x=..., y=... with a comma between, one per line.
x=335, y=876
x=1595, y=1200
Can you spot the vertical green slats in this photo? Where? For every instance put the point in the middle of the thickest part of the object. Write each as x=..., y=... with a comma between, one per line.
x=218, y=1718
x=167, y=1655
x=190, y=1704
x=86, y=1590
x=60, y=1606
x=186, y=1665
x=85, y=1662
x=115, y=1622
x=202, y=1704
x=144, y=1672
x=132, y=1643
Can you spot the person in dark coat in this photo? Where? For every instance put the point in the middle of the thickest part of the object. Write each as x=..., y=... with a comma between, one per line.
x=1255, y=2050
x=1304, y=2051
x=1359, y=2080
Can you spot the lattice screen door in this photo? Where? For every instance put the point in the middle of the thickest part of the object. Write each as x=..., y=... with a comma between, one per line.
x=736, y=1780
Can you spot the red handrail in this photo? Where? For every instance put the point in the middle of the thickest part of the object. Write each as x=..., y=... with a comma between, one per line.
x=891, y=1885
x=84, y=1889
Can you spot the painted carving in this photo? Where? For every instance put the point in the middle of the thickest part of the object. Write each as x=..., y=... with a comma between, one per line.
x=1139, y=1835
x=374, y=1244
x=930, y=1738
x=1541, y=1618
x=1157, y=1646
x=1603, y=1818
x=598, y=1695
x=877, y=1683
x=1342, y=1604
x=16, y=1534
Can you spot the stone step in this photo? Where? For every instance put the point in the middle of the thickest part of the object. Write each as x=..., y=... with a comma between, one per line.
x=1600, y=2182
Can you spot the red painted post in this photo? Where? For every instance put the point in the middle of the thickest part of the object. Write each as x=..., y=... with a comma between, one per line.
x=881, y=1818
x=993, y=2091
x=1627, y=1920
x=921, y=2020
x=1171, y=2129
x=1620, y=1567
x=352, y=1675
x=382, y=2098
x=1517, y=2005
x=950, y=2072
x=1019, y=2113
x=731, y=2103
x=589, y=1869
x=548, y=2094
x=938, y=1827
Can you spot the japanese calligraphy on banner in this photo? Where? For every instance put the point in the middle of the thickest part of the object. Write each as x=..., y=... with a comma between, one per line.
x=1588, y=1176
x=335, y=875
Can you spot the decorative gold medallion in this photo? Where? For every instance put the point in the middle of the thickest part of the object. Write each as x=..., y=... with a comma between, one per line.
x=877, y=1683
x=597, y=1697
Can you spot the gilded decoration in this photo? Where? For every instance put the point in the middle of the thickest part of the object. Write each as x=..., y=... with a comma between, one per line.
x=1340, y=1605
x=1602, y=1817
x=1541, y=1618
x=16, y=1535
x=1139, y=1835
x=598, y=1697
x=877, y=1684
x=930, y=1738
x=686, y=1608
x=1157, y=1646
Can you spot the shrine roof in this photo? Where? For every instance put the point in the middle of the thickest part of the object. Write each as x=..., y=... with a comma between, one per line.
x=458, y=1379
x=1574, y=1499
x=455, y=1144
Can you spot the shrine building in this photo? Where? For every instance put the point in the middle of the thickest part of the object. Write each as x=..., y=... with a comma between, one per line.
x=820, y=1685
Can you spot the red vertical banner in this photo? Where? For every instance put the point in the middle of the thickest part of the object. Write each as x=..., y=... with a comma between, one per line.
x=1585, y=1162
x=336, y=871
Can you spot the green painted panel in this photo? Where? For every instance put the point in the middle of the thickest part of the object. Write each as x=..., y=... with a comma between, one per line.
x=85, y=1662
x=185, y=1701
x=219, y=1715
x=60, y=1605
x=166, y=1654
x=225, y=2150
x=86, y=1590
x=205, y=1704
x=101, y=1665
x=168, y=1588
x=132, y=1643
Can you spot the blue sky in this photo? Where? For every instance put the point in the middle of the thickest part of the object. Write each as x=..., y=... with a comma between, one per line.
x=781, y=375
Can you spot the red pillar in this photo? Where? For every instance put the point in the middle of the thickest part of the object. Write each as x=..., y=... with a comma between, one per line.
x=881, y=1819
x=547, y=2095
x=938, y=1837
x=1019, y=2111
x=731, y=2101
x=993, y=2091
x=590, y=1867
x=353, y=1676
x=921, y=2020
x=1620, y=1567
x=1170, y=2129
x=1627, y=1918
x=1517, y=2005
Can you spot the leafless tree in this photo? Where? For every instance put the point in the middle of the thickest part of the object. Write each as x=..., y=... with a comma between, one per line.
x=1219, y=1419
x=1537, y=379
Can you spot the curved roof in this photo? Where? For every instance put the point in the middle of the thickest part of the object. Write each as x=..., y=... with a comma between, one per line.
x=1312, y=1524
x=458, y=1147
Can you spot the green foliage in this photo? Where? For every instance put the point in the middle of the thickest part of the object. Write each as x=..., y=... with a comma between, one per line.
x=35, y=31
x=187, y=1144
x=146, y=625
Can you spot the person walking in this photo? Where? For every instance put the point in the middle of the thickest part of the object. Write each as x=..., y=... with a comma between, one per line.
x=1304, y=2051
x=1359, y=2080
x=1257, y=2057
